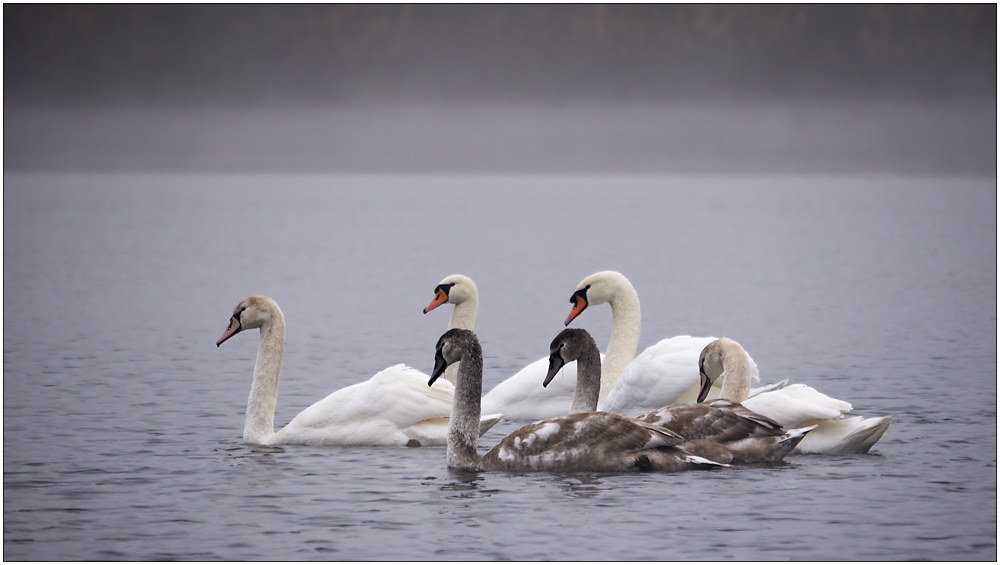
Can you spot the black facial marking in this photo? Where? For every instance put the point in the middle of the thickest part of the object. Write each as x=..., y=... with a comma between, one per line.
x=582, y=293
x=445, y=288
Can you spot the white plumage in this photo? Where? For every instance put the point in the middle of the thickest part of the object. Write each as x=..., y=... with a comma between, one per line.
x=394, y=407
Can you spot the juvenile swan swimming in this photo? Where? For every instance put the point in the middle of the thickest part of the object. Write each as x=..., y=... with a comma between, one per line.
x=792, y=406
x=591, y=441
x=395, y=407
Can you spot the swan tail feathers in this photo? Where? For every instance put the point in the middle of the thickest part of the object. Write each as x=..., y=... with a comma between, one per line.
x=854, y=435
x=862, y=440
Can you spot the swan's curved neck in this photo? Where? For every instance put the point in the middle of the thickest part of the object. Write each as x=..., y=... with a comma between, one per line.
x=588, y=382
x=463, y=430
x=625, y=324
x=737, y=378
x=463, y=316
x=259, y=423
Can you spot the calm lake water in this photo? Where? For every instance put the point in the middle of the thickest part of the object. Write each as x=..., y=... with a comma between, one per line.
x=123, y=421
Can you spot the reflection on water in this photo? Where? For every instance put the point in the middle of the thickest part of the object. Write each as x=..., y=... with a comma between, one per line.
x=580, y=486
x=123, y=421
x=465, y=482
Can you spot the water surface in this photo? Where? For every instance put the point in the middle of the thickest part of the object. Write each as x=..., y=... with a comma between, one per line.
x=123, y=421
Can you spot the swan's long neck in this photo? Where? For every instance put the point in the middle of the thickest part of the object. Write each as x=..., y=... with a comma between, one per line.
x=625, y=324
x=259, y=423
x=463, y=316
x=588, y=382
x=463, y=430
x=737, y=375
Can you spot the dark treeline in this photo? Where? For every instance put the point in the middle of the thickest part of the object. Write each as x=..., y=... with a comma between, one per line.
x=321, y=54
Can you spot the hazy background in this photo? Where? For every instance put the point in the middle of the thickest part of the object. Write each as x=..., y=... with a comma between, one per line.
x=817, y=182
x=619, y=88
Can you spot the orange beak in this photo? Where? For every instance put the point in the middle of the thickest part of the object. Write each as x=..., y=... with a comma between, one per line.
x=439, y=298
x=579, y=303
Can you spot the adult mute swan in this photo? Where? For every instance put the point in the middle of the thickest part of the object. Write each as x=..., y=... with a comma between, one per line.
x=520, y=397
x=664, y=373
x=722, y=431
x=792, y=406
x=395, y=407
x=590, y=441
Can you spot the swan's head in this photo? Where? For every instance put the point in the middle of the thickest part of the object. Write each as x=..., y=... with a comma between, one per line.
x=567, y=347
x=598, y=288
x=451, y=346
x=252, y=312
x=711, y=364
x=455, y=289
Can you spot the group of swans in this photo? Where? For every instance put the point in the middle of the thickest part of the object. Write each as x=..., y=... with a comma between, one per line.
x=397, y=407
x=665, y=373
x=697, y=436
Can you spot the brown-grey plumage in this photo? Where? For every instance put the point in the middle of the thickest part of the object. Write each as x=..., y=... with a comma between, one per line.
x=719, y=420
x=590, y=441
x=747, y=437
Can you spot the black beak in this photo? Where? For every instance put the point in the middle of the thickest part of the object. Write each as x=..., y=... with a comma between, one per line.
x=706, y=384
x=439, y=366
x=555, y=363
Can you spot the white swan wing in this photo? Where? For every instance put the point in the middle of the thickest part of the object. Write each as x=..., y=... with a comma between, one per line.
x=796, y=405
x=375, y=412
x=658, y=376
x=522, y=396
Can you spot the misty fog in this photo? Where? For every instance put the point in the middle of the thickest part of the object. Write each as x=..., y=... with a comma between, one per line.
x=515, y=88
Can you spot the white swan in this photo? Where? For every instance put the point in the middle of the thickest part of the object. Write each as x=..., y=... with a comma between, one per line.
x=722, y=431
x=664, y=373
x=791, y=406
x=590, y=441
x=395, y=407
x=520, y=397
